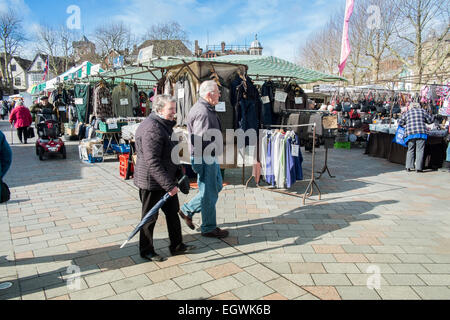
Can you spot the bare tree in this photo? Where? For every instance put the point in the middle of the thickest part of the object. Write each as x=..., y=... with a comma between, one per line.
x=12, y=38
x=114, y=36
x=67, y=37
x=321, y=50
x=48, y=43
x=375, y=21
x=170, y=30
x=416, y=32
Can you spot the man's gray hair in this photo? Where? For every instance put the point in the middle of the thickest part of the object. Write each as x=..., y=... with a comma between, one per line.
x=160, y=101
x=207, y=87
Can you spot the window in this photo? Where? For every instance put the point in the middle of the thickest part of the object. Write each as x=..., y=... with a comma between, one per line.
x=39, y=65
x=37, y=77
x=13, y=68
x=18, y=81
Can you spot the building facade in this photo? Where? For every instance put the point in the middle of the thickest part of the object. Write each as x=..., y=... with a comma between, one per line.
x=19, y=68
x=83, y=50
x=225, y=50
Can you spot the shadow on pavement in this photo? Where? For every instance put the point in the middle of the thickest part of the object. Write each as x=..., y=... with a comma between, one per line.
x=306, y=224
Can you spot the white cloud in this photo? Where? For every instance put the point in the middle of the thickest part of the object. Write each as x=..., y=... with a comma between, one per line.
x=18, y=6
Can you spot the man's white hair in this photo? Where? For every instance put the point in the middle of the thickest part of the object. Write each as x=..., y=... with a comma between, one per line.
x=207, y=87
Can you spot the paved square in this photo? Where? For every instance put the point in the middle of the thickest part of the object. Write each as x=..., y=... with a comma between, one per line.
x=377, y=233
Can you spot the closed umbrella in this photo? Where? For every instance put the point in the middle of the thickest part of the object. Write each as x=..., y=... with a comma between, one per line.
x=150, y=214
x=12, y=134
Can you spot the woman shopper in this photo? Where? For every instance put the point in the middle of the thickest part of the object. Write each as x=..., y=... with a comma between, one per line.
x=156, y=175
x=21, y=116
x=415, y=121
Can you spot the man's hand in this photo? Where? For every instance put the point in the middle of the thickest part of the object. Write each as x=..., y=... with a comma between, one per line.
x=174, y=191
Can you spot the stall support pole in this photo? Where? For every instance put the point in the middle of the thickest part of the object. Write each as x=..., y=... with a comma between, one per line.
x=312, y=183
x=325, y=168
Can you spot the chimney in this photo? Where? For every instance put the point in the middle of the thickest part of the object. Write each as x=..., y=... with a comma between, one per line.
x=223, y=46
x=197, y=48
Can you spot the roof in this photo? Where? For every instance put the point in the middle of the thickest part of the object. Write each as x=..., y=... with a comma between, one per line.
x=24, y=63
x=149, y=73
x=256, y=44
x=57, y=60
x=165, y=48
x=268, y=66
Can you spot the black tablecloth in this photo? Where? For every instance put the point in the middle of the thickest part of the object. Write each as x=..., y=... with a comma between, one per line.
x=381, y=145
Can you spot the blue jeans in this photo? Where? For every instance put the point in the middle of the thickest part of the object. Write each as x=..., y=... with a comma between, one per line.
x=209, y=185
x=448, y=153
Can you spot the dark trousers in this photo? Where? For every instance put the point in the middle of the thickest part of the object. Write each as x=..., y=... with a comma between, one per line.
x=170, y=209
x=23, y=132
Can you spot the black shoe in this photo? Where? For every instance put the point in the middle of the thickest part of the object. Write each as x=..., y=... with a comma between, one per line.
x=186, y=219
x=154, y=257
x=183, y=249
x=419, y=171
x=218, y=233
x=408, y=170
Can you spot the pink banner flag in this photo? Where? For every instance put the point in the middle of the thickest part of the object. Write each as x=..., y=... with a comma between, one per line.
x=346, y=49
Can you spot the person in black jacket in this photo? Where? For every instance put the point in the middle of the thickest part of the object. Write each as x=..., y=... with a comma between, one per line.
x=156, y=174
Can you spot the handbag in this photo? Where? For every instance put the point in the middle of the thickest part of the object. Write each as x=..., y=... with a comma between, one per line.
x=6, y=194
x=400, y=136
x=30, y=132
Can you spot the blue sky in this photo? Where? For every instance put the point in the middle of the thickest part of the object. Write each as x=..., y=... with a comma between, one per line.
x=281, y=25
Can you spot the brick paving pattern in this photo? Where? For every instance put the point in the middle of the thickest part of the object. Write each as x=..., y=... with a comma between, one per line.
x=373, y=217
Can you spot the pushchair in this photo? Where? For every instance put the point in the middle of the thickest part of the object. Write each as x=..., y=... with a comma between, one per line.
x=49, y=133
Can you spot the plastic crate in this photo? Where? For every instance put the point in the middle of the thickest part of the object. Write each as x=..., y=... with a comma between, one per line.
x=104, y=127
x=121, y=148
x=123, y=159
x=123, y=172
x=94, y=159
x=343, y=145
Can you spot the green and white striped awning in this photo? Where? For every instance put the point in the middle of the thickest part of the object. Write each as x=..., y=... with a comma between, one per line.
x=268, y=66
x=259, y=67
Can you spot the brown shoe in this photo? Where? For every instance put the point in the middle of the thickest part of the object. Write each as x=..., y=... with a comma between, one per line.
x=218, y=233
x=186, y=219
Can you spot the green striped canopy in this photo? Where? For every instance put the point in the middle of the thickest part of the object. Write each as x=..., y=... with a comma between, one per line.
x=148, y=74
x=258, y=66
x=268, y=66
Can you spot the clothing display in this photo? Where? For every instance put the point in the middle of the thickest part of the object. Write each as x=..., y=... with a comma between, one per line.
x=248, y=104
x=184, y=99
x=82, y=96
x=282, y=158
x=226, y=116
x=268, y=100
x=135, y=103
x=102, y=102
x=122, y=101
x=297, y=99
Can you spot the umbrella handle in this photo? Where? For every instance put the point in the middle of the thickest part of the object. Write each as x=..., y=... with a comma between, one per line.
x=182, y=179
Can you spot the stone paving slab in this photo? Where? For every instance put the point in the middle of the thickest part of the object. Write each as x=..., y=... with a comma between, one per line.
x=369, y=220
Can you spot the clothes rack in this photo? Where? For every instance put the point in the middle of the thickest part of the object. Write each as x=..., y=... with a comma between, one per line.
x=310, y=188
